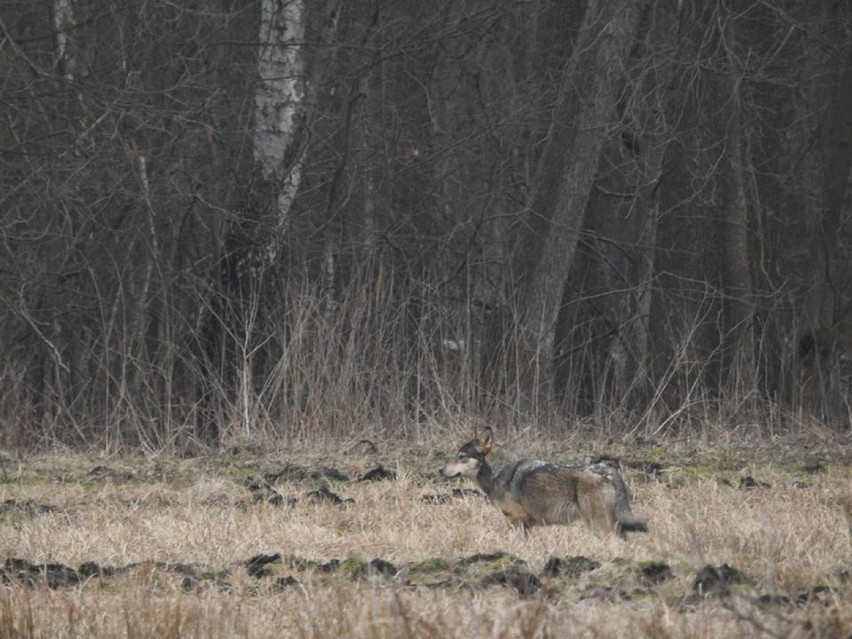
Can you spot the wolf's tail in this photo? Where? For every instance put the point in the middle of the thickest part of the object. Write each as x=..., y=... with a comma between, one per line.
x=627, y=521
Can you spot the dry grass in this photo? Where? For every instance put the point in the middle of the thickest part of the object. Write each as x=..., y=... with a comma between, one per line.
x=787, y=539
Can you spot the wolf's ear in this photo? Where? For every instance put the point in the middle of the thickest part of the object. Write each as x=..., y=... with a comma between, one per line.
x=487, y=437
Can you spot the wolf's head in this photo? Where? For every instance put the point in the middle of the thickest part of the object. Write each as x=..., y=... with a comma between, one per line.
x=471, y=456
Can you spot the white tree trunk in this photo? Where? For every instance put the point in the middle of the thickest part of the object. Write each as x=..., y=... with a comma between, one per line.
x=63, y=20
x=279, y=101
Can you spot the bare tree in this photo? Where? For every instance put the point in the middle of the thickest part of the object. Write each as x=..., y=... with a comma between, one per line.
x=824, y=338
x=564, y=180
x=251, y=215
x=279, y=105
x=737, y=272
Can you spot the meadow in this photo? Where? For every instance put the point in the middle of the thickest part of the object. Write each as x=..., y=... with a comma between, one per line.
x=362, y=538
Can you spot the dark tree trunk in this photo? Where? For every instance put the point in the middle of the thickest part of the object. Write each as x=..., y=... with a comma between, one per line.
x=564, y=181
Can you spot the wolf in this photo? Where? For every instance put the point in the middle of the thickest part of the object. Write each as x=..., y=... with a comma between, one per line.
x=531, y=493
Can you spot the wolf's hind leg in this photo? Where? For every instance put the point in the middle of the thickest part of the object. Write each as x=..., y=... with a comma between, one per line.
x=518, y=521
x=597, y=508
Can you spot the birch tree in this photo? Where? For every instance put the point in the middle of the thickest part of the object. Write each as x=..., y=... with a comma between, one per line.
x=279, y=99
x=63, y=20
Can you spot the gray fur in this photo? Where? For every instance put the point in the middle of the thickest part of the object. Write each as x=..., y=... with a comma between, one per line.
x=531, y=492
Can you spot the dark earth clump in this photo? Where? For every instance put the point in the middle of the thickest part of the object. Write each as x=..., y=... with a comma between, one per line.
x=105, y=472
x=485, y=557
x=480, y=570
x=324, y=493
x=286, y=582
x=817, y=593
x=375, y=568
x=814, y=468
x=262, y=492
x=27, y=507
x=716, y=579
x=570, y=567
x=526, y=583
x=300, y=563
x=258, y=566
x=750, y=483
x=295, y=473
x=456, y=493
x=53, y=574
x=654, y=572
x=379, y=473
x=90, y=569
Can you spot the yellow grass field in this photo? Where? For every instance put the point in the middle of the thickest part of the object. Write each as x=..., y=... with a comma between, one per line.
x=159, y=547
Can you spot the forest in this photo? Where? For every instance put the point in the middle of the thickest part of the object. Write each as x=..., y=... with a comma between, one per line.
x=239, y=219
